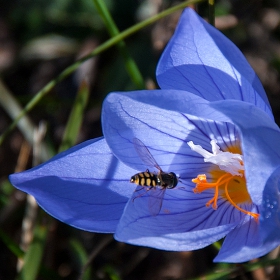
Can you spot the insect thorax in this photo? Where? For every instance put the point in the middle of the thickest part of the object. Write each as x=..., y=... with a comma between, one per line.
x=168, y=180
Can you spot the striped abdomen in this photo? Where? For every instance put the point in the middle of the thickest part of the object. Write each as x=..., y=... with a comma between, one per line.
x=146, y=179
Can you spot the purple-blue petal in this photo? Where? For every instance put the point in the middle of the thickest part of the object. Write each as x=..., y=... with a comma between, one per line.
x=85, y=186
x=172, y=229
x=201, y=60
x=259, y=138
x=245, y=243
x=270, y=210
x=183, y=241
x=155, y=118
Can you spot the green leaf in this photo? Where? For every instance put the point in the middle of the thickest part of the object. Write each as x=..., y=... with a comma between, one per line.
x=33, y=257
x=75, y=119
x=82, y=257
x=111, y=272
x=224, y=271
x=13, y=247
x=130, y=65
x=26, y=126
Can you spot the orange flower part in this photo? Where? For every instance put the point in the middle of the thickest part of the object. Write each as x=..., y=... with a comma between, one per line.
x=228, y=181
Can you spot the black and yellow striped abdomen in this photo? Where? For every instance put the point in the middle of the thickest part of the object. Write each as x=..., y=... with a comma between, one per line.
x=146, y=179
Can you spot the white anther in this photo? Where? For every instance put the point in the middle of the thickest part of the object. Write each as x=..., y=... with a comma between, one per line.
x=229, y=162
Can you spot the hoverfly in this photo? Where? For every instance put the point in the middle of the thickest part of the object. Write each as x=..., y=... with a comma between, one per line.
x=158, y=183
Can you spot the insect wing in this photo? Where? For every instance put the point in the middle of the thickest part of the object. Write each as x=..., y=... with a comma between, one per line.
x=155, y=200
x=145, y=154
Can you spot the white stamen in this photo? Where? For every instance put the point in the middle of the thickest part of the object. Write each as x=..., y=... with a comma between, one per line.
x=226, y=161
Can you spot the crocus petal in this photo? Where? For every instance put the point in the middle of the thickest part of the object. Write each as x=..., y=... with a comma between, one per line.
x=270, y=210
x=259, y=138
x=186, y=241
x=166, y=133
x=85, y=186
x=201, y=60
x=245, y=243
x=155, y=118
x=170, y=230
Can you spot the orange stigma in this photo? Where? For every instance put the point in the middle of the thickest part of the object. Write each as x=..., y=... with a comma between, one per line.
x=232, y=188
x=228, y=181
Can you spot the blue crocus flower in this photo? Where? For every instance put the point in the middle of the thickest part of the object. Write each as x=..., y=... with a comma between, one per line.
x=210, y=124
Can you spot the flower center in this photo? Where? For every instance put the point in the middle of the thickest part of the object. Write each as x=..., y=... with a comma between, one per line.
x=228, y=181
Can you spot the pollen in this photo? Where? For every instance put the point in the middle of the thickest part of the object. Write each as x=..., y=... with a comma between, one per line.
x=228, y=180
